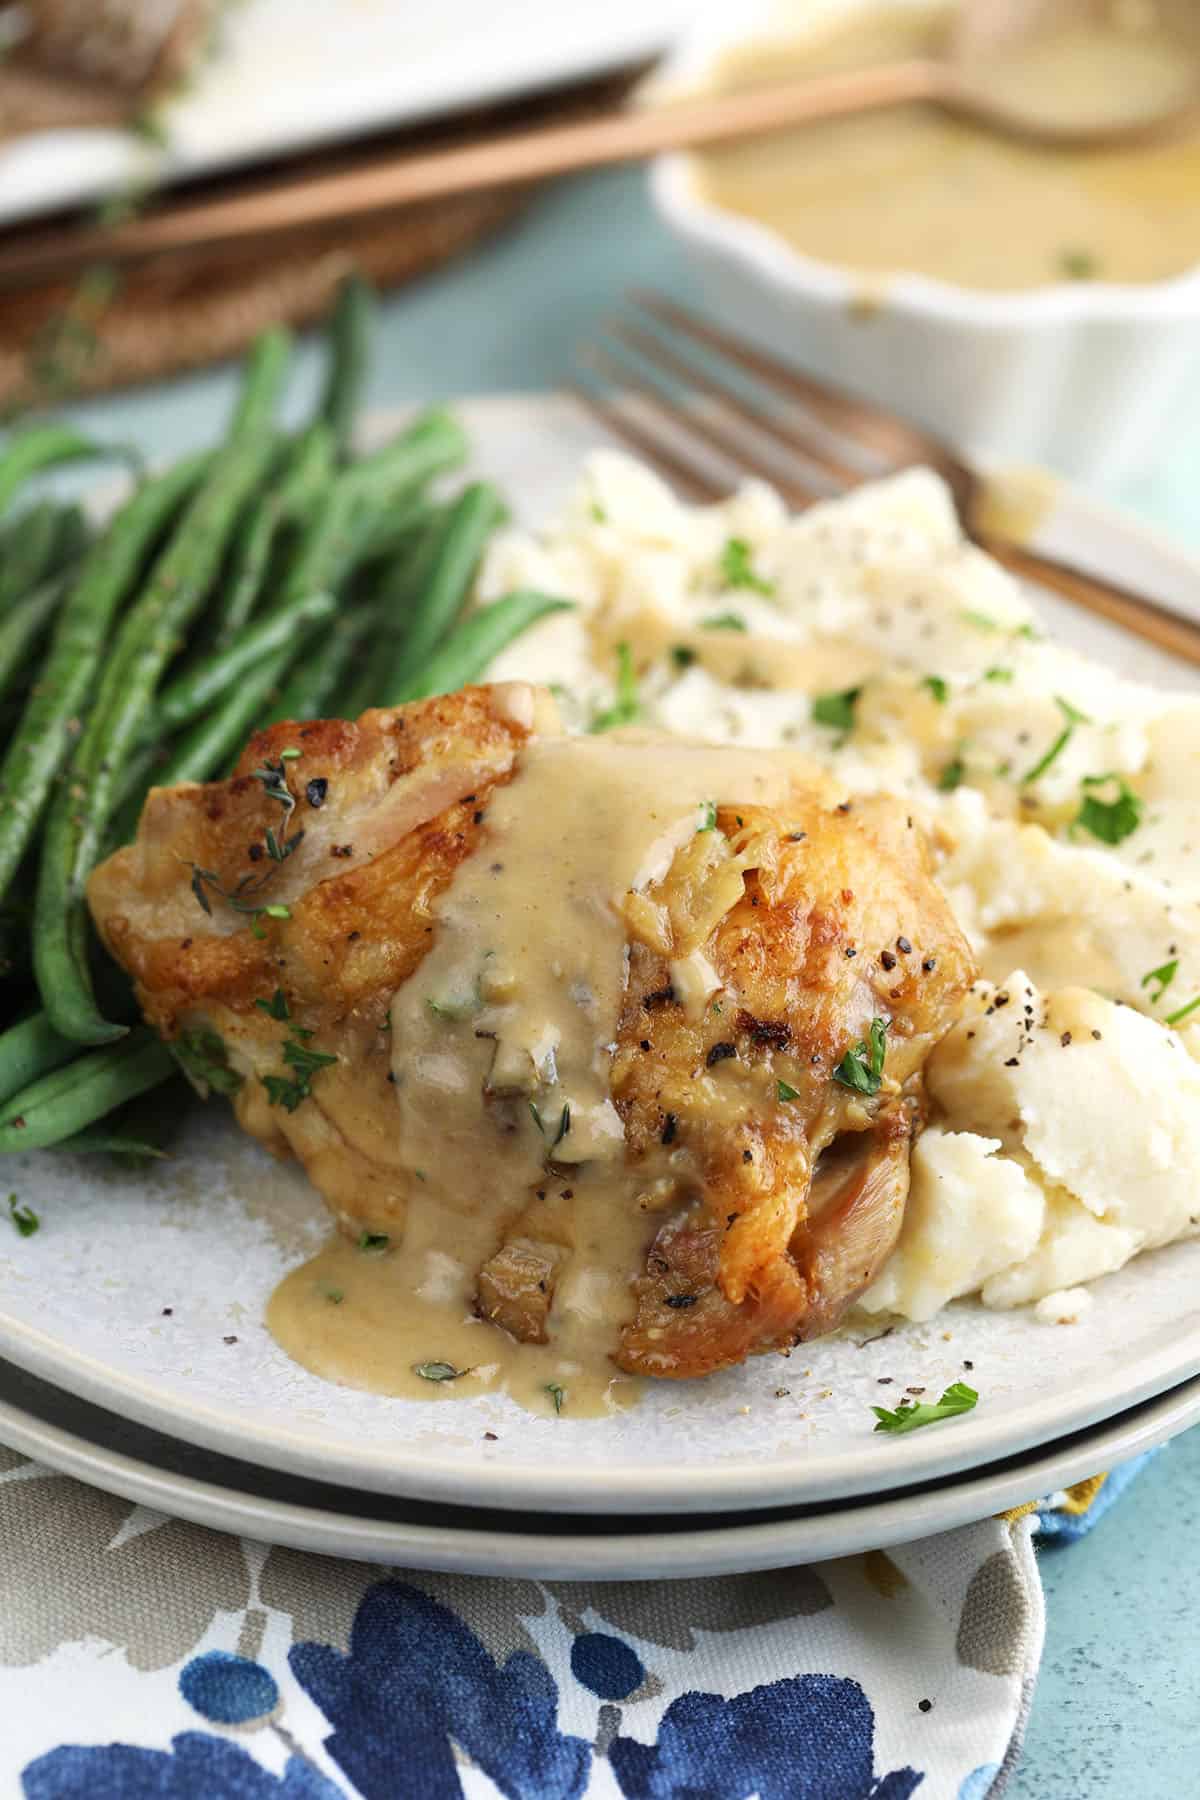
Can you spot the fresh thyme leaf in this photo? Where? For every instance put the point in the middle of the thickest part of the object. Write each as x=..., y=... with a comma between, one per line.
x=537, y=1118
x=737, y=568
x=204, y=1059
x=438, y=1371
x=708, y=816
x=938, y=687
x=1077, y=265
x=23, y=1217
x=1112, y=821
x=682, y=655
x=454, y=1007
x=726, y=621
x=626, y=708
x=199, y=877
x=910, y=1415
x=290, y=754
x=836, y=710
x=1183, y=1012
x=862, y=1066
x=275, y=912
x=299, y=1056
x=557, y=1394
x=564, y=1125
x=374, y=1241
x=276, y=1007
x=334, y=1295
x=1071, y=718
x=786, y=1092
x=598, y=512
x=1163, y=976
x=952, y=775
x=980, y=621
x=997, y=673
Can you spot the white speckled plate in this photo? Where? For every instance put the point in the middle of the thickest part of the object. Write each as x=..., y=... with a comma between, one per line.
x=160, y=1472
x=210, y=1233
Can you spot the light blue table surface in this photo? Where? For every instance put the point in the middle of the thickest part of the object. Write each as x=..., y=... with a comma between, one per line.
x=1117, y=1712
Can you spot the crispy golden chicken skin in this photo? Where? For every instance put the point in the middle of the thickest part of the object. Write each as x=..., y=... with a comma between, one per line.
x=734, y=1136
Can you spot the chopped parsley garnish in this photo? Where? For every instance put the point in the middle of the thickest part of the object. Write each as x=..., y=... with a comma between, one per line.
x=708, y=816
x=836, y=710
x=374, y=1241
x=276, y=1007
x=1183, y=1012
x=682, y=655
x=438, y=1371
x=205, y=1061
x=1071, y=718
x=862, y=1066
x=952, y=775
x=726, y=621
x=22, y=1216
x=979, y=620
x=786, y=1092
x=1077, y=265
x=939, y=688
x=910, y=1414
x=737, y=568
x=1162, y=977
x=626, y=708
x=557, y=1394
x=997, y=673
x=1111, y=821
x=289, y=1091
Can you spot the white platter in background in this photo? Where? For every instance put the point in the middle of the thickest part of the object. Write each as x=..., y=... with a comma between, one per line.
x=209, y=1234
x=155, y=1471
x=292, y=74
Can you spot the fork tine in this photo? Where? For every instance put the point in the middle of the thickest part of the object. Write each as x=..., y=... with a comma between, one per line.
x=899, y=443
x=733, y=451
x=653, y=349
x=684, y=475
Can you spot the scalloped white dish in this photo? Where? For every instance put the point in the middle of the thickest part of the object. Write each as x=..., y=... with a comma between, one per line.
x=1086, y=376
x=145, y=1294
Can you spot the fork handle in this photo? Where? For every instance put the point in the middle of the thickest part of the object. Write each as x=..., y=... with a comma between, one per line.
x=1145, y=618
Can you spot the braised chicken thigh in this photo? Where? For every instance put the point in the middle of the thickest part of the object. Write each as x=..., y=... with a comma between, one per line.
x=639, y=1023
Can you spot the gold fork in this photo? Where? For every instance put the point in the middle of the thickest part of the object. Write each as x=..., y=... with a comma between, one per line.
x=812, y=441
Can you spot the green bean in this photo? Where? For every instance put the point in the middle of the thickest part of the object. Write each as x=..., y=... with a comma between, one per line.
x=30, y=1050
x=455, y=557
x=319, y=675
x=398, y=528
x=472, y=645
x=76, y=823
x=262, y=383
x=28, y=551
x=40, y=740
x=46, y=446
x=304, y=469
x=214, y=742
x=65, y=1101
x=25, y=624
x=193, y=694
x=434, y=442
x=350, y=342
x=96, y=1141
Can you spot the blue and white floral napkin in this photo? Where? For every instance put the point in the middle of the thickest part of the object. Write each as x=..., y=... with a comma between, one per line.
x=146, y=1659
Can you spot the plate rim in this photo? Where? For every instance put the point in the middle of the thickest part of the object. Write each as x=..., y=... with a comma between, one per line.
x=505, y=1485
x=843, y=1530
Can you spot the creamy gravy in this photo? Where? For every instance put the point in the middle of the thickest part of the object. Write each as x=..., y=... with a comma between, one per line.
x=501, y=1048
x=914, y=189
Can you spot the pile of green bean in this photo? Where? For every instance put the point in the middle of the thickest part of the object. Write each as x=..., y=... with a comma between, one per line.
x=237, y=587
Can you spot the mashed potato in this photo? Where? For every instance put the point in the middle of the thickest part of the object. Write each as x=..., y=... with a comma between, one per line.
x=1064, y=799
